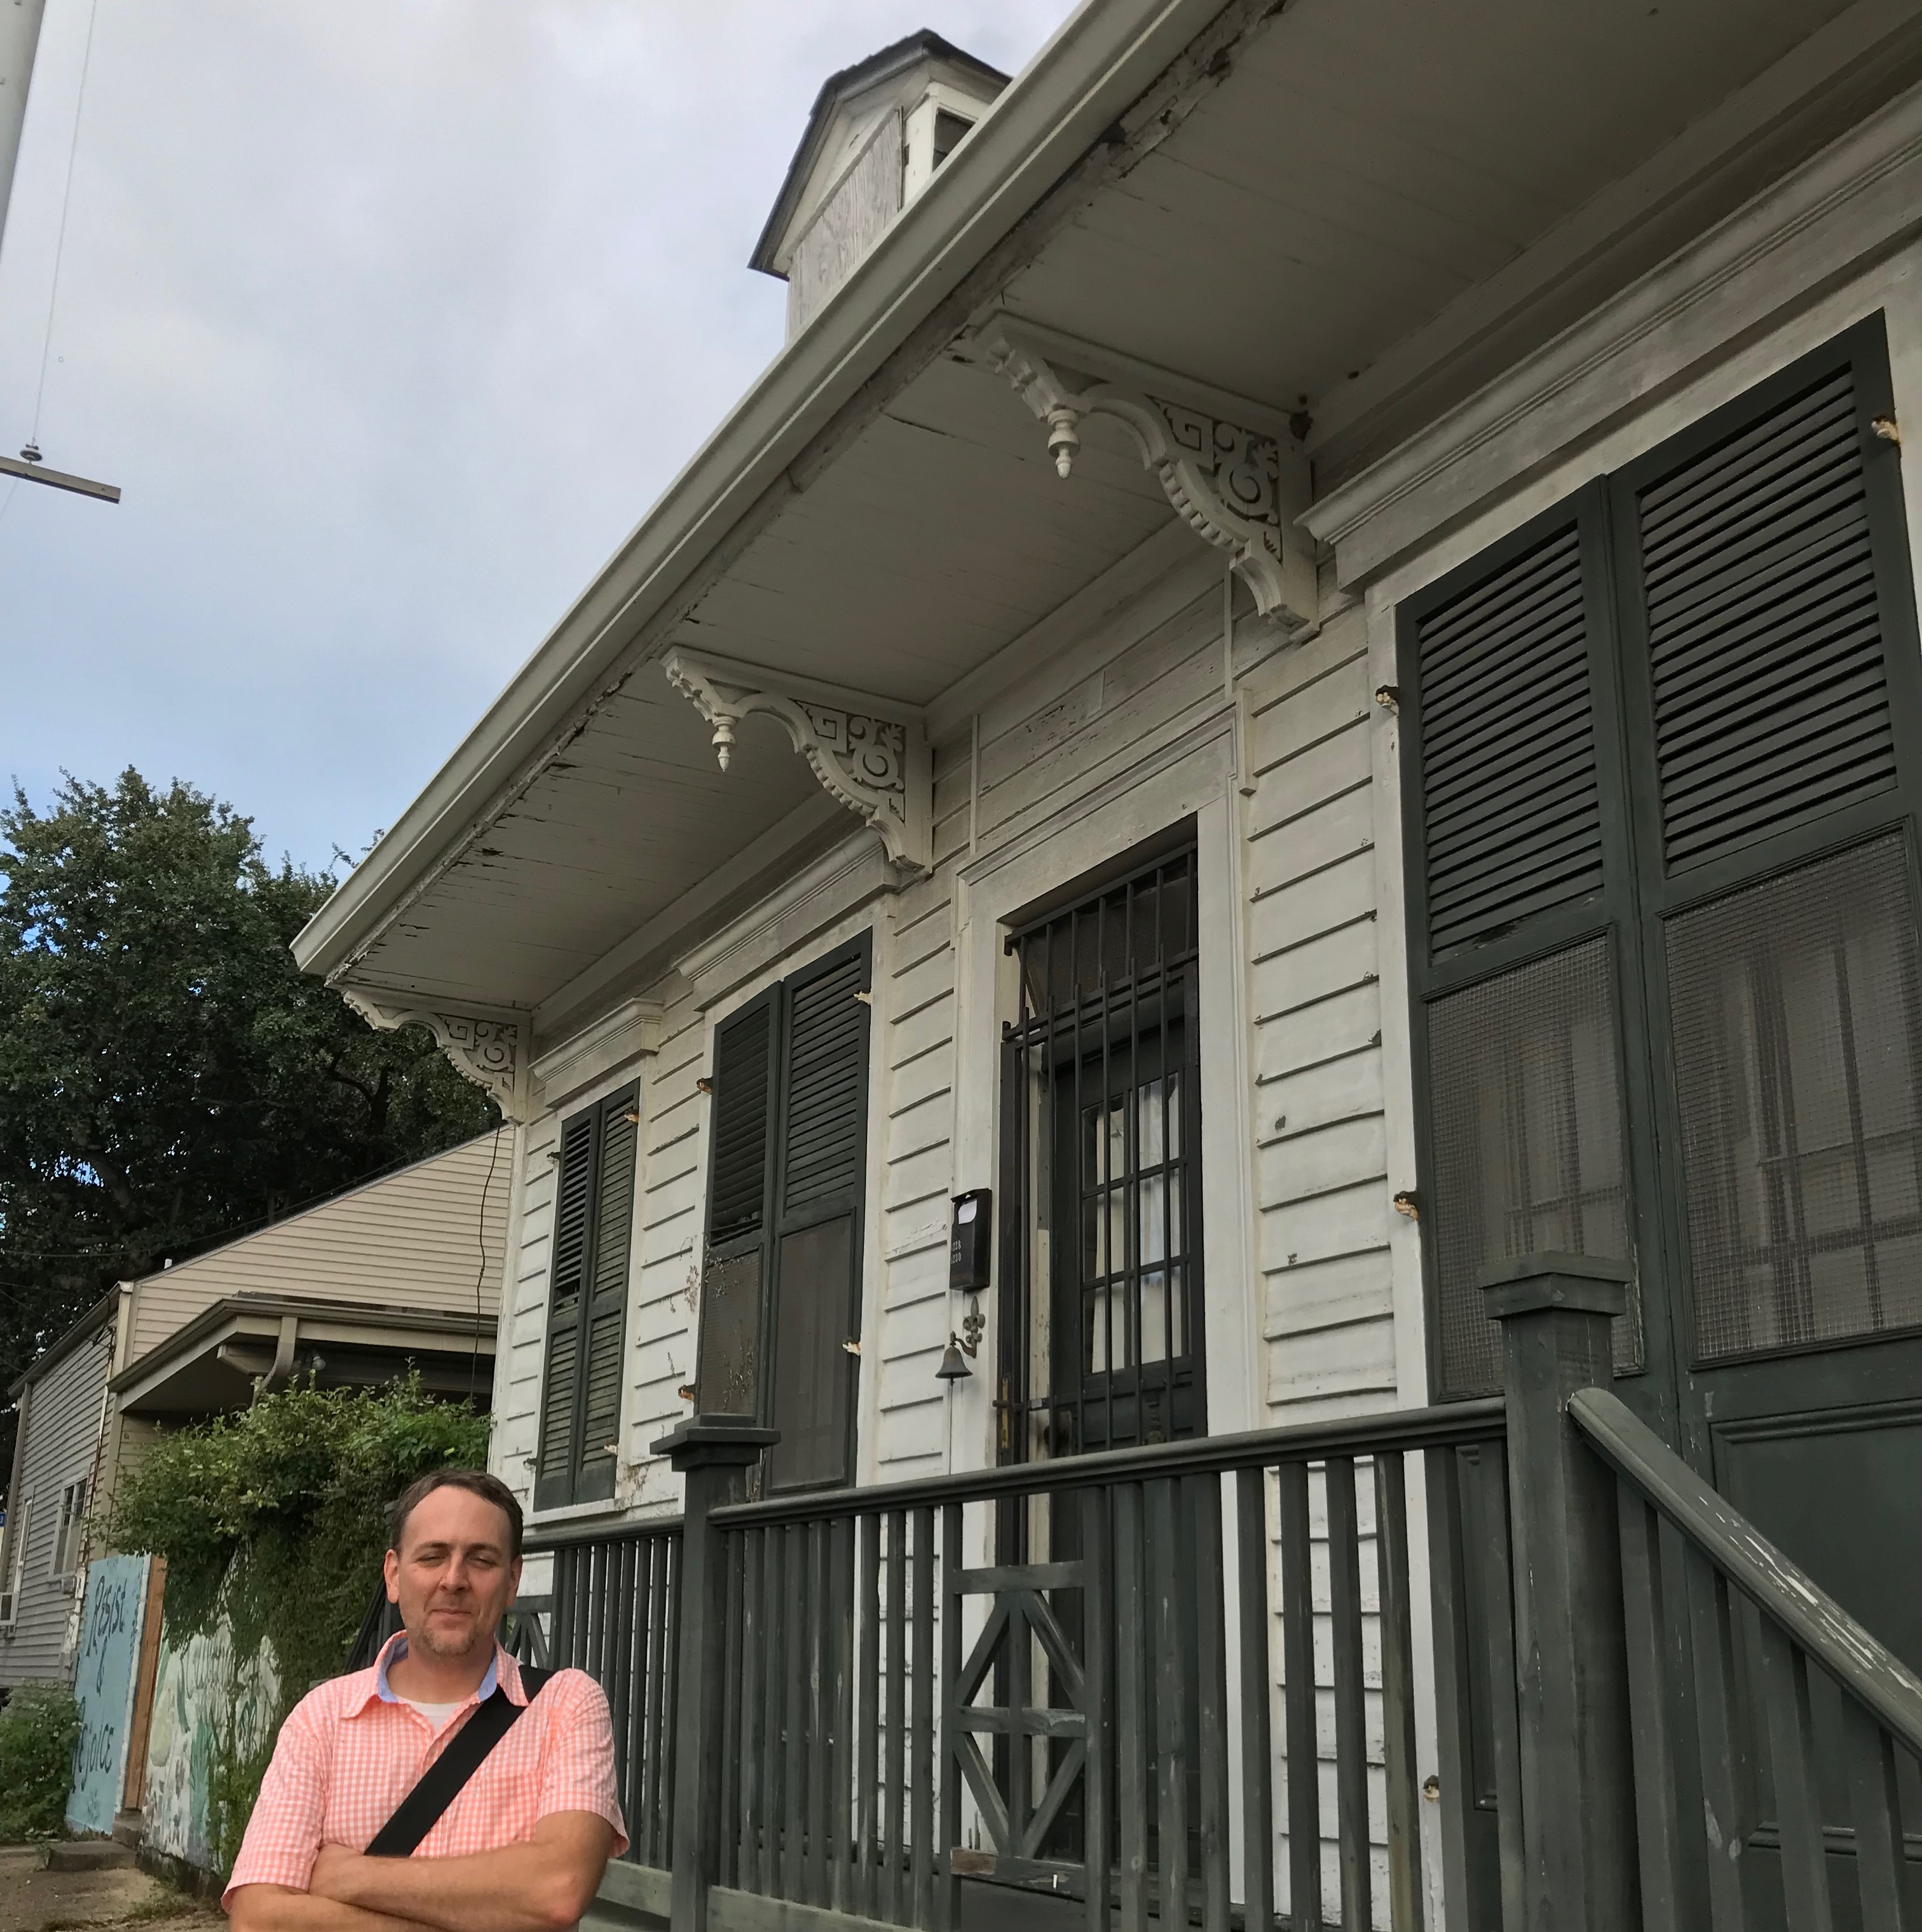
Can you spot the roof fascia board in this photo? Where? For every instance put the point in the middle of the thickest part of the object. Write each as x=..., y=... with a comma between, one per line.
x=55, y=1352
x=1093, y=73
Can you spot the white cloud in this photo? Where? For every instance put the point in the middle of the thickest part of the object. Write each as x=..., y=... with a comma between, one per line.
x=390, y=317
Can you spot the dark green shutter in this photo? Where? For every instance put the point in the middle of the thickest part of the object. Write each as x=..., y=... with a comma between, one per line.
x=816, y=1246
x=587, y=1303
x=1758, y=577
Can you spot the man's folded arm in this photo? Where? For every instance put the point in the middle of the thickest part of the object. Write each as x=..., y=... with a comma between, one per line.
x=280, y=1908
x=543, y=1884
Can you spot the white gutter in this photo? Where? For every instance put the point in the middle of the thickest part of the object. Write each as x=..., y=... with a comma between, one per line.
x=1102, y=61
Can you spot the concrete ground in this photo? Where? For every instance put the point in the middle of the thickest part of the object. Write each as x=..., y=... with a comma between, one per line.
x=33, y=1900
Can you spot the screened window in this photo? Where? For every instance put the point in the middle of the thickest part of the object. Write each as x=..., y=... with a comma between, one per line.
x=16, y=1561
x=593, y=1233
x=71, y=1536
x=781, y=1287
x=1101, y=1271
x=1661, y=852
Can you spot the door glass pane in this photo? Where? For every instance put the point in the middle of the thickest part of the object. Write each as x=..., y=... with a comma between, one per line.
x=1796, y=1007
x=813, y=1373
x=1529, y=1143
x=730, y=1318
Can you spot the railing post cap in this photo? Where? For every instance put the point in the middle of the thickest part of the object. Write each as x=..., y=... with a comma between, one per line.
x=1592, y=1283
x=707, y=1442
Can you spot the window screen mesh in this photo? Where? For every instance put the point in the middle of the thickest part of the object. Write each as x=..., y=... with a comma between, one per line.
x=1526, y=1105
x=1796, y=1008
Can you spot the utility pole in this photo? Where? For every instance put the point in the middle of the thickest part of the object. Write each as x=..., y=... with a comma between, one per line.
x=20, y=39
x=20, y=34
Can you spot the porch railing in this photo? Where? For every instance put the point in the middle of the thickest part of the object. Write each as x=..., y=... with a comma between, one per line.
x=1187, y=1682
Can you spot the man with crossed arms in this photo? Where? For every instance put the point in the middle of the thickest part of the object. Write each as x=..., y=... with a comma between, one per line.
x=522, y=1847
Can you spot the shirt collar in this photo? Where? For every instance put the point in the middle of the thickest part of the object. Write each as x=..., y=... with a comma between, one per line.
x=501, y=1670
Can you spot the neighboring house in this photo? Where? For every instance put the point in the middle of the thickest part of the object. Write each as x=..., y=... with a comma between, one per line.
x=403, y=1270
x=1341, y=578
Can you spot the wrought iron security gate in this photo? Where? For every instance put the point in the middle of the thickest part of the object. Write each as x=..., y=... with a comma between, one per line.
x=1101, y=1316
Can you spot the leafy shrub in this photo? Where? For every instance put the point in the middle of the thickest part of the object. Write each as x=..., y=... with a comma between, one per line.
x=38, y=1730
x=274, y=1518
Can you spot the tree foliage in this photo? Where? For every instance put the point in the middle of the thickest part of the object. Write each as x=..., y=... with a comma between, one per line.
x=38, y=1730
x=168, y=1077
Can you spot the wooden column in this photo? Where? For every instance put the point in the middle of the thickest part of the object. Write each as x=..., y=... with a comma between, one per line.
x=712, y=1459
x=1577, y=1795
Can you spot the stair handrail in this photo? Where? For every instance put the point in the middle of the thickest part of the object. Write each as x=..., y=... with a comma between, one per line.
x=1867, y=1669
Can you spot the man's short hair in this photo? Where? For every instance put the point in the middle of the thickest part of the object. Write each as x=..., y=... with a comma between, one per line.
x=477, y=1482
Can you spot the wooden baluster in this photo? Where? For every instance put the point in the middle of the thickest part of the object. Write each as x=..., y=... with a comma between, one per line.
x=731, y=1760
x=1505, y=1726
x=1646, y=1624
x=1876, y=1807
x=818, y=1704
x=893, y=1867
x=1097, y=1622
x=667, y=1703
x=643, y=1776
x=1133, y=1758
x=947, y=1896
x=1170, y=1583
x=1449, y=1564
x=1258, y=1690
x=841, y=1739
x=794, y=1769
x=1725, y=1770
x=661, y=1650
x=618, y=1682
x=867, y=1887
x=1398, y=1694
x=1784, y=1672
x=774, y=1603
x=1201, y=1503
x=1303, y=1751
x=753, y=1712
x=1351, y=1741
x=922, y=1821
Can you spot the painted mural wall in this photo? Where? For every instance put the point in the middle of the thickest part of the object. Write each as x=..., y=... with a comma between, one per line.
x=105, y=1672
x=208, y=1708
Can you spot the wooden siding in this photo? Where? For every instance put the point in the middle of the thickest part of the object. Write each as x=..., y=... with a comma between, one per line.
x=63, y=1429
x=420, y=1238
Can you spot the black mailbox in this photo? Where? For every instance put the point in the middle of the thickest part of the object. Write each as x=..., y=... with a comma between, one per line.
x=968, y=1249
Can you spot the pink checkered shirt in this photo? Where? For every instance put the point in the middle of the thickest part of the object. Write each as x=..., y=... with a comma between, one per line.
x=349, y=1753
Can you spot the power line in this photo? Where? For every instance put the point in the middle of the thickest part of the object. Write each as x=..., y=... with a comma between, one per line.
x=66, y=203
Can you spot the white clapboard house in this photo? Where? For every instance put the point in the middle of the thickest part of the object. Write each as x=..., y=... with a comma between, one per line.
x=1259, y=804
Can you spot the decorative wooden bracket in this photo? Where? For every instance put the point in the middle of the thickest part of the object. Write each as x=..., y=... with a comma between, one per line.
x=490, y=1049
x=1237, y=488
x=871, y=755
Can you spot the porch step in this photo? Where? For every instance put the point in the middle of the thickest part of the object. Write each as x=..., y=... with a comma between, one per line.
x=87, y=1855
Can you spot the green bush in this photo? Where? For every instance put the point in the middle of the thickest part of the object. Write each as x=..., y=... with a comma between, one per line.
x=38, y=1730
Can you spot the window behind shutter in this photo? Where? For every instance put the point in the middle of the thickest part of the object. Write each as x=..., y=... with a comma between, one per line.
x=1765, y=639
x=1510, y=817
x=594, y=1218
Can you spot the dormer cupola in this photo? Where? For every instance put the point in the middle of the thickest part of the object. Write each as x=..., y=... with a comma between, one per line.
x=878, y=131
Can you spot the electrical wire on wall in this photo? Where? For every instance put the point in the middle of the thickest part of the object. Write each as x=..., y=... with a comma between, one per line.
x=480, y=1272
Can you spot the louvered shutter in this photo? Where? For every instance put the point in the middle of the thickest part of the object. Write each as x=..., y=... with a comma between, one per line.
x=1764, y=635
x=587, y=1302
x=572, y=1213
x=1510, y=817
x=741, y=1141
x=820, y=1171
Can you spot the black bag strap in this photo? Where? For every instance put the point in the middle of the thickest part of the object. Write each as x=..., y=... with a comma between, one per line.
x=443, y=1781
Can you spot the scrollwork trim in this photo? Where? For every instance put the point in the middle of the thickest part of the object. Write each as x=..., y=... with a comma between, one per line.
x=488, y=1048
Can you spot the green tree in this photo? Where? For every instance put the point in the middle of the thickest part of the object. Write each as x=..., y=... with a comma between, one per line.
x=168, y=1077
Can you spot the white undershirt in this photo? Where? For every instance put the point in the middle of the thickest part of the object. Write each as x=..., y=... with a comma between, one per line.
x=435, y=1714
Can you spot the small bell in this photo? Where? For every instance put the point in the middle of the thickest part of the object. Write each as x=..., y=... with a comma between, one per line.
x=953, y=1368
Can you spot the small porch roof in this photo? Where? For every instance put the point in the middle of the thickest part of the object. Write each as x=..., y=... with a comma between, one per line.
x=1341, y=219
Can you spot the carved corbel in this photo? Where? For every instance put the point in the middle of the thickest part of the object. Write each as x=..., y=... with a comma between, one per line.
x=490, y=1049
x=872, y=756
x=1235, y=487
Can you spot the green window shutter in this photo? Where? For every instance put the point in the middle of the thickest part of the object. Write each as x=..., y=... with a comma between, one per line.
x=1764, y=636
x=728, y=1355
x=587, y=1303
x=1511, y=814
x=821, y=1172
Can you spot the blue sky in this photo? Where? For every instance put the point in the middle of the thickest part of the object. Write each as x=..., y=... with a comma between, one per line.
x=391, y=318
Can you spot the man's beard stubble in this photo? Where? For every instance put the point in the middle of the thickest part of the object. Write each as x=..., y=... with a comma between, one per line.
x=448, y=1652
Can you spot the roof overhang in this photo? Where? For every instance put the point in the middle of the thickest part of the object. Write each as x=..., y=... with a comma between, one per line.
x=214, y=1362
x=56, y=1352
x=1267, y=236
